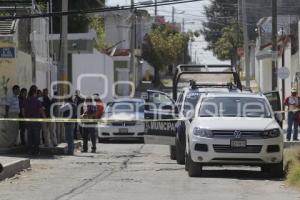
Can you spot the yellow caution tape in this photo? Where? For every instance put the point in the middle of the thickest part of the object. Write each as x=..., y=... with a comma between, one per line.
x=65, y=120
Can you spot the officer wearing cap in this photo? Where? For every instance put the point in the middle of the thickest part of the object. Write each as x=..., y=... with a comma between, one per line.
x=292, y=102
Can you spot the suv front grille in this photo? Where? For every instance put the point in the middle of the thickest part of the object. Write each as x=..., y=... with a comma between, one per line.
x=230, y=134
x=229, y=149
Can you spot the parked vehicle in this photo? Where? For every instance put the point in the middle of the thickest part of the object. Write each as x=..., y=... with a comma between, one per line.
x=234, y=129
x=189, y=82
x=128, y=112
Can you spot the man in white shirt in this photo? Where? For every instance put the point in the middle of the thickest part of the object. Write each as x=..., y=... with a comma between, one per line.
x=13, y=111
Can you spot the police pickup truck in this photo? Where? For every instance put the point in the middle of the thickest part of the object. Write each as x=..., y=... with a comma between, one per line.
x=190, y=82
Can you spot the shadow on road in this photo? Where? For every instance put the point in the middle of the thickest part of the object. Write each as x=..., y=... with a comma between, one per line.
x=123, y=141
x=238, y=174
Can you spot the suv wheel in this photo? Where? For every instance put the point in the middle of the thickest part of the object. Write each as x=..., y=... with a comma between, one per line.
x=180, y=153
x=173, y=152
x=274, y=170
x=194, y=169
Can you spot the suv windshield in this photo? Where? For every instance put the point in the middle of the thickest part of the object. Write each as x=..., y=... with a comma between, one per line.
x=234, y=107
x=191, y=100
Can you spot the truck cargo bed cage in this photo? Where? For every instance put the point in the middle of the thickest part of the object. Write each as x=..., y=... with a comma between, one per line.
x=204, y=69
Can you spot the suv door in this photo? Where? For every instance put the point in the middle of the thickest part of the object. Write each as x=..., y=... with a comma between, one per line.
x=159, y=108
x=276, y=104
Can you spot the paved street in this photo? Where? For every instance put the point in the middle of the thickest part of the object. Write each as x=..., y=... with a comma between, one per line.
x=136, y=171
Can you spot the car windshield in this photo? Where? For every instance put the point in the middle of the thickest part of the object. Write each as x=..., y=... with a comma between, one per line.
x=125, y=107
x=234, y=107
x=191, y=100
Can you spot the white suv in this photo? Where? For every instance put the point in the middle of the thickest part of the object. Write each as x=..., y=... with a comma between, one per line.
x=234, y=129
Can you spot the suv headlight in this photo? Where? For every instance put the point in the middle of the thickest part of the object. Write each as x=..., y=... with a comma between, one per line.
x=202, y=132
x=273, y=133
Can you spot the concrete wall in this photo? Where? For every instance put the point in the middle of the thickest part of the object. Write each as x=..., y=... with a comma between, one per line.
x=117, y=28
x=88, y=68
x=265, y=78
x=24, y=69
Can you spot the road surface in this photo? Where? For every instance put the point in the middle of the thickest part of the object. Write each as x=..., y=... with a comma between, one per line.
x=135, y=172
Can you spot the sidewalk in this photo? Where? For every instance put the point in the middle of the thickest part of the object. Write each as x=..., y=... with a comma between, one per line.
x=60, y=149
x=12, y=166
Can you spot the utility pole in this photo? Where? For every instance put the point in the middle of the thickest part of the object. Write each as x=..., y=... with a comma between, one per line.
x=63, y=62
x=132, y=41
x=246, y=45
x=173, y=15
x=155, y=8
x=183, y=25
x=274, y=44
x=33, y=56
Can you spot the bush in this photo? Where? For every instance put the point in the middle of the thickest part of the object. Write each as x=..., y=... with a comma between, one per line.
x=292, y=166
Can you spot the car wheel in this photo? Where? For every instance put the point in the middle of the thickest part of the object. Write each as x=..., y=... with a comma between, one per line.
x=173, y=152
x=194, y=169
x=274, y=170
x=180, y=153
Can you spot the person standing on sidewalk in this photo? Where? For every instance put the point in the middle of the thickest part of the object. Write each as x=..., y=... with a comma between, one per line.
x=68, y=110
x=46, y=103
x=13, y=111
x=89, y=129
x=78, y=101
x=22, y=127
x=33, y=109
x=292, y=102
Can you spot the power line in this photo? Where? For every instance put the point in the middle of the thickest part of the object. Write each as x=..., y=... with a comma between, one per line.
x=95, y=10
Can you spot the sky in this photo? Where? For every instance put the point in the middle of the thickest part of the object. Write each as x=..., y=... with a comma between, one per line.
x=193, y=15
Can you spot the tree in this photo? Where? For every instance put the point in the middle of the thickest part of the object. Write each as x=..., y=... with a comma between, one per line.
x=77, y=23
x=219, y=14
x=97, y=23
x=227, y=45
x=162, y=47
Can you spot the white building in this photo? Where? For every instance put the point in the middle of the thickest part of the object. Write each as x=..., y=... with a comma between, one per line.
x=287, y=54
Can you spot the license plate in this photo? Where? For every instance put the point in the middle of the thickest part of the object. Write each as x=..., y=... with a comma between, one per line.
x=238, y=143
x=123, y=130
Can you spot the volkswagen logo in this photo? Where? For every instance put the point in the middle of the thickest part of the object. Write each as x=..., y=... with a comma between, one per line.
x=237, y=134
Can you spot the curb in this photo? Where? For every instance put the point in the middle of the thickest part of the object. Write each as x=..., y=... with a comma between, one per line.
x=61, y=149
x=12, y=168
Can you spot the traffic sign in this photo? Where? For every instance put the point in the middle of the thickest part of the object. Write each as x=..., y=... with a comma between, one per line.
x=283, y=72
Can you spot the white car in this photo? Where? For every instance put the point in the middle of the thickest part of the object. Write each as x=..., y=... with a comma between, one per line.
x=122, y=120
x=234, y=129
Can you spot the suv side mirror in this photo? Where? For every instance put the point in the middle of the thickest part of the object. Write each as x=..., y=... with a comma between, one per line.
x=190, y=115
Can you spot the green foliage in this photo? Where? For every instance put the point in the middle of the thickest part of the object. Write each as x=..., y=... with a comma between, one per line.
x=220, y=14
x=292, y=166
x=226, y=46
x=97, y=23
x=3, y=83
x=164, y=46
x=77, y=23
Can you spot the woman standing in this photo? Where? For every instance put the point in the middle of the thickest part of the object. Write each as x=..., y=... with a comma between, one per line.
x=33, y=109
